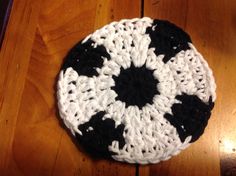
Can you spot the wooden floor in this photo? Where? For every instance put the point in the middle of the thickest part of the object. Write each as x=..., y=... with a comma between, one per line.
x=39, y=34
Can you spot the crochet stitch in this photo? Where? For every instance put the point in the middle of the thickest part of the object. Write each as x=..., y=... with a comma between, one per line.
x=136, y=90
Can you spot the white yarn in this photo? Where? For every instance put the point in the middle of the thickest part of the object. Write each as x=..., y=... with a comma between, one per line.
x=147, y=141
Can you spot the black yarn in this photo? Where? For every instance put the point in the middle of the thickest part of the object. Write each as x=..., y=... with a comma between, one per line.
x=192, y=114
x=167, y=39
x=96, y=141
x=85, y=58
x=135, y=86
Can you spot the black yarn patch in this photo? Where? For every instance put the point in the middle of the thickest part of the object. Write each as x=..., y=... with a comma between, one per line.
x=97, y=140
x=135, y=86
x=167, y=39
x=85, y=58
x=191, y=117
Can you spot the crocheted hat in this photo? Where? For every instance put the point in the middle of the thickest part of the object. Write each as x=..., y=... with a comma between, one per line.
x=136, y=91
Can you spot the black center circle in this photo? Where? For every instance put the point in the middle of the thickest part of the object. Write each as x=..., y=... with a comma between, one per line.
x=135, y=86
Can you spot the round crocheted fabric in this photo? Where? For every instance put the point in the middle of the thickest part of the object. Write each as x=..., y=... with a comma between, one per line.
x=136, y=91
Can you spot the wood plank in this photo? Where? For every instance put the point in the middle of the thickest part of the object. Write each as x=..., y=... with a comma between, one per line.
x=211, y=25
x=14, y=59
x=41, y=145
x=35, y=142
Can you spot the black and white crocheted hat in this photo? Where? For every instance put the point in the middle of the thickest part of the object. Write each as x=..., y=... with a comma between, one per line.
x=136, y=90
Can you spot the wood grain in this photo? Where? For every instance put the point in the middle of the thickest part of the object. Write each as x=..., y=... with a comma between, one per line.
x=212, y=26
x=14, y=59
x=36, y=142
x=33, y=140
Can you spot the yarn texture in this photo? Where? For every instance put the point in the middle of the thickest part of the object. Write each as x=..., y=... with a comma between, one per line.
x=136, y=91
